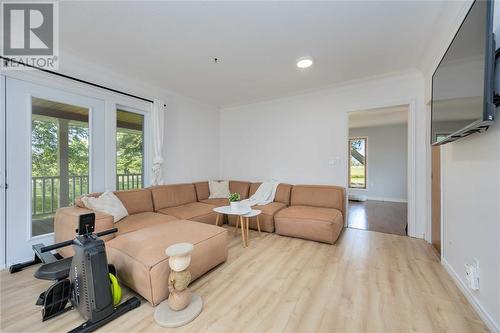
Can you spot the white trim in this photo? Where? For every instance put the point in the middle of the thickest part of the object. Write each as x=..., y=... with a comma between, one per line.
x=110, y=146
x=388, y=199
x=483, y=314
x=3, y=243
x=441, y=206
x=412, y=149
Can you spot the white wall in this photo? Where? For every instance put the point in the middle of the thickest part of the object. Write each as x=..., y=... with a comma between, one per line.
x=387, y=157
x=471, y=200
x=303, y=139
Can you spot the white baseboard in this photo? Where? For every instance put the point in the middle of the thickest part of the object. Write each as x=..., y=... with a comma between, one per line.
x=488, y=320
x=388, y=199
x=420, y=235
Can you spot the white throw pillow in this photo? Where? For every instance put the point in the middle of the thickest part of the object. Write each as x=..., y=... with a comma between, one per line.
x=107, y=203
x=218, y=189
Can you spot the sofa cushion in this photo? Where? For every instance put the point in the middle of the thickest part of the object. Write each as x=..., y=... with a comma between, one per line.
x=136, y=201
x=266, y=219
x=141, y=220
x=216, y=202
x=142, y=264
x=78, y=200
x=241, y=187
x=282, y=192
x=202, y=190
x=219, y=189
x=314, y=223
x=107, y=203
x=165, y=196
x=196, y=211
x=319, y=196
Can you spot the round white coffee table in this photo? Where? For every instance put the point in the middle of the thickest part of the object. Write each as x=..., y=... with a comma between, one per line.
x=243, y=216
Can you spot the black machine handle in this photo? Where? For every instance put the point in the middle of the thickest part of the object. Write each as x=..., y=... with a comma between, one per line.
x=70, y=242
x=56, y=246
x=106, y=232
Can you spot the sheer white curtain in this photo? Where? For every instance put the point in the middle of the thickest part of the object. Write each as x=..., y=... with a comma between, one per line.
x=157, y=129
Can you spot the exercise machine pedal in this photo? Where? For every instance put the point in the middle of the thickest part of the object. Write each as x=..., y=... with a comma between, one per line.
x=55, y=299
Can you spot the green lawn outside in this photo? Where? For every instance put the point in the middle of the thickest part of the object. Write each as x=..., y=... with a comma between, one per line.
x=357, y=176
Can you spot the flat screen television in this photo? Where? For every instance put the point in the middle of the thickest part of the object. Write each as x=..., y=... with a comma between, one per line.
x=463, y=83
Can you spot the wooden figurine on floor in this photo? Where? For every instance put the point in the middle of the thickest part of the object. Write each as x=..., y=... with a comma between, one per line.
x=180, y=277
x=182, y=306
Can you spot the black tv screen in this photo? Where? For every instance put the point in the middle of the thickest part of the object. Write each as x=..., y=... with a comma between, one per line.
x=462, y=85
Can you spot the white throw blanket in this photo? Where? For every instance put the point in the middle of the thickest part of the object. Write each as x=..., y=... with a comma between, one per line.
x=264, y=194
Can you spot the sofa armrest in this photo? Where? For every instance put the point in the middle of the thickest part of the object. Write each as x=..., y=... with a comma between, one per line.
x=66, y=225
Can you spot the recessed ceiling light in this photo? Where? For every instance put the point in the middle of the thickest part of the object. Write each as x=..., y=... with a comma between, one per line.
x=304, y=62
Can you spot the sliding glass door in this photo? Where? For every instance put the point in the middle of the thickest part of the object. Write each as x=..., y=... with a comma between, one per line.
x=50, y=159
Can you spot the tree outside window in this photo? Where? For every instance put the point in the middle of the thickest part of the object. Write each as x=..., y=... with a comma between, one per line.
x=357, y=163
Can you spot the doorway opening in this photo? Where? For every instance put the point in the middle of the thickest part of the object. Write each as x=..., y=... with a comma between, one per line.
x=378, y=170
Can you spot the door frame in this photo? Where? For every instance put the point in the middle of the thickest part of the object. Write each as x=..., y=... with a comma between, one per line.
x=19, y=196
x=411, y=161
x=3, y=114
x=440, y=212
x=112, y=100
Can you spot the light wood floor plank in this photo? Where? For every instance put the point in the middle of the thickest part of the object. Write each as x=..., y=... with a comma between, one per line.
x=367, y=282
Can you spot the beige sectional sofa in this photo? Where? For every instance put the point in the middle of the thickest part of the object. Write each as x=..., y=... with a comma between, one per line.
x=160, y=216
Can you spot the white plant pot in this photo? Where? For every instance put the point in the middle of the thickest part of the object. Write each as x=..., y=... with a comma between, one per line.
x=235, y=205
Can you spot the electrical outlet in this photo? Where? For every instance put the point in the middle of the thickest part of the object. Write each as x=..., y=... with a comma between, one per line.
x=472, y=274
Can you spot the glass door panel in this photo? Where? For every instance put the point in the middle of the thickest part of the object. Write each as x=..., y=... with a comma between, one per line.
x=59, y=159
x=129, y=150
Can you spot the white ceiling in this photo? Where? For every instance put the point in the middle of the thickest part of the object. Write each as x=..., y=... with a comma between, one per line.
x=379, y=117
x=171, y=44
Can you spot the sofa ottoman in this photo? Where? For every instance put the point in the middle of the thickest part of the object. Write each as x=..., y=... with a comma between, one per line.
x=142, y=264
x=316, y=212
x=313, y=223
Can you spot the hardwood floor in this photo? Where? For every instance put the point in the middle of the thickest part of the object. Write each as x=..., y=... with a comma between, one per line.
x=367, y=282
x=381, y=216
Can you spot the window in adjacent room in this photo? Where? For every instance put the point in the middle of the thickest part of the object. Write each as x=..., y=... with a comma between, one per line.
x=357, y=163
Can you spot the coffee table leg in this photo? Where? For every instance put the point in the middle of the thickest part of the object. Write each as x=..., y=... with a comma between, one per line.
x=258, y=223
x=217, y=219
x=242, y=223
x=237, y=222
x=247, y=231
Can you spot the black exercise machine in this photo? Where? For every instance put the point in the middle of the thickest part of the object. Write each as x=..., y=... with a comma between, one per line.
x=82, y=280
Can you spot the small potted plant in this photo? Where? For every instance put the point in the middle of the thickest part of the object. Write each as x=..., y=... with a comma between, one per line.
x=234, y=201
